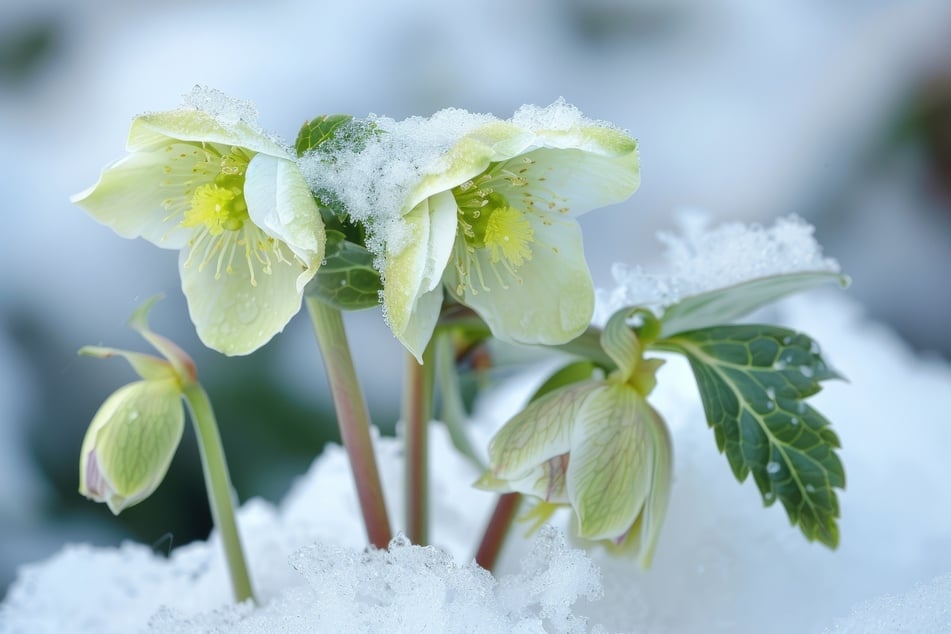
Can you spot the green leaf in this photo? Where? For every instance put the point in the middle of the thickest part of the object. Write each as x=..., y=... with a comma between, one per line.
x=319, y=130
x=346, y=280
x=723, y=305
x=753, y=381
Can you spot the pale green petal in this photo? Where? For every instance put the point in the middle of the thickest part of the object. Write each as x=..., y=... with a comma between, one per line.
x=281, y=203
x=152, y=131
x=130, y=443
x=655, y=509
x=540, y=432
x=570, y=181
x=130, y=196
x=609, y=473
x=547, y=481
x=412, y=293
x=552, y=299
x=230, y=314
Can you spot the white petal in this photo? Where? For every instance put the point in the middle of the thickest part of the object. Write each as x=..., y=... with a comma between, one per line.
x=130, y=194
x=231, y=315
x=412, y=294
x=280, y=203
x=574, y=180
x=150, y=131
x=552, y=300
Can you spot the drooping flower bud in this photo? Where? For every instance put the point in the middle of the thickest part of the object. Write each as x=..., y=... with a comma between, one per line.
x=131, y=442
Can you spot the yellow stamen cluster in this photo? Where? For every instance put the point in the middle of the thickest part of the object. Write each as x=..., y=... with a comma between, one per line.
x=212, y=201
x=487, y=220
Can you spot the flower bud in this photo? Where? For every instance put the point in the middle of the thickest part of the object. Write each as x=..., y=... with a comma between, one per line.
x=130, y=443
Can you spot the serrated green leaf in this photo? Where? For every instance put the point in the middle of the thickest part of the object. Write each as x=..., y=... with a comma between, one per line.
x=753, y=382
x=723, y=305
x=319, y=130
x=346, y=280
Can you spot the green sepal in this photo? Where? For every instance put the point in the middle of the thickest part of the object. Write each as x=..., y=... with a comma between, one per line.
x=723, y=305
x=574, y=372
x=347, y=279
x=753, y=382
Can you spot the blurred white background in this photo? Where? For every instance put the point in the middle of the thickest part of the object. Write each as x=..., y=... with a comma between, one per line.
x=840, y=113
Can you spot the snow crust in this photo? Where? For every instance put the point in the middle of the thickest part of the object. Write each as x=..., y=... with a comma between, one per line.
x=373, y=176
x=723, y=562
x=701, y=258
x=225, y=109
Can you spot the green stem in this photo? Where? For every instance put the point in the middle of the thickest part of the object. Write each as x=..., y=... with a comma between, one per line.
x=352, y=418
x=218, y=484
x=498, y=528
x=452, y=410
x=417, y=411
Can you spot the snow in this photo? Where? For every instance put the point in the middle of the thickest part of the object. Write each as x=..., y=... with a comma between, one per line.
x=723, y=563
x=702, y=259
x=225, y=109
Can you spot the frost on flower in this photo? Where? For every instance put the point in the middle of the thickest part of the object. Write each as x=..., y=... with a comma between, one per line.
x=486, y=209
x=205, y=180
x=597, y=446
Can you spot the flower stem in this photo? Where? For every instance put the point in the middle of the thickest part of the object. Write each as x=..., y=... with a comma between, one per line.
x=218, y=484
x=352, y=418
x=452, y=410
x=417, y=411
x=498, y=528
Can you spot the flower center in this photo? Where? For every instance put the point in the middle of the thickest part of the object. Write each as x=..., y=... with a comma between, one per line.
x=217, y=209
x=487, y=221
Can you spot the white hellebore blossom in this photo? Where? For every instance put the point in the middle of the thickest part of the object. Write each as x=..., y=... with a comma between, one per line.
x=597, y=446
x=234, y=202
x=495, y=223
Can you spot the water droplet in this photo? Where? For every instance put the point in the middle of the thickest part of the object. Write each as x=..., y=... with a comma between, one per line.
x=771, y=393
x=772, y=468
x=801, y=407
x=787, y=340
x=806, y=371
x=769, y=497
x=779, y=365
x=133, y=415
x=793, y=421
x=810, y=488
x=770, y=405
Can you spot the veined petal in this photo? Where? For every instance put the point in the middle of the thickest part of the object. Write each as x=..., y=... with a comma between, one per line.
x=280, y=203
x=609, y=474
x=412, y=294
x=547, y=481
x=232, y=315
x=540, y=432
x=130, y=443
x=548, y=300
x=131, y=194
x=571, y=181
x=150, y=131
x=655, y=508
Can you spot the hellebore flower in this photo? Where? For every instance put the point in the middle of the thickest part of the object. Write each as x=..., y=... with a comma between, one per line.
x=134, y=434
x=131, y=442
x=597, y=446
x=234, y=202
x=495, y=225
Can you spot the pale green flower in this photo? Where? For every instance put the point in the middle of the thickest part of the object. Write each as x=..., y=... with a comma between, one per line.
x=597, y=446
x=131, y=442
x=496, y=226
x=234, y=202
x=134, y=434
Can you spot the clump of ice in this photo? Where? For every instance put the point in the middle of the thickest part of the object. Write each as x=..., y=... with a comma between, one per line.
x=373, y=176
x=227, y=110
x=925, y=608
x=413, y=589
x=702, y=259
